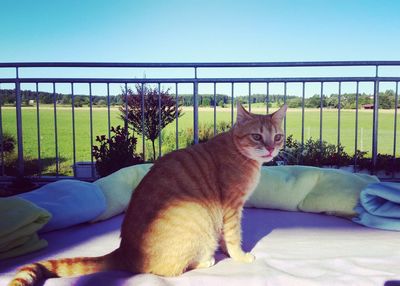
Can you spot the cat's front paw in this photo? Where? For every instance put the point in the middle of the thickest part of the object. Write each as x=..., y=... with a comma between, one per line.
x=245, y=257
x=248, y=257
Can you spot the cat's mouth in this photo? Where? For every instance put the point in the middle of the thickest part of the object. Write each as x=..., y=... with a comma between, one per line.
x=267, y=156
x=264, y=155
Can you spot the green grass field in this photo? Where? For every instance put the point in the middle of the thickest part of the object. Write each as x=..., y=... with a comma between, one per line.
x=206, y=115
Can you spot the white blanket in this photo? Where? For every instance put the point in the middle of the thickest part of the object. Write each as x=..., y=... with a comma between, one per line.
x=291, y=248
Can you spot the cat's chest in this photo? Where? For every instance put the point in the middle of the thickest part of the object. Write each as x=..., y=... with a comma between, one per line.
x=251, y=183
x=243, y=184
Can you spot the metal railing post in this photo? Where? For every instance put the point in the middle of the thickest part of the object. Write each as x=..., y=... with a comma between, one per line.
x=126, y=126
x=176, y=118
x=92, y=166
x=159, y=121
x=249, y=96
x=356, y=129
x=73, y=129
x=55, y=128
x=108, y=111
x=1, y=138
x=375, y=119
x=38, y=129
x=321, y=106
x=338, y=115
x=267, y=97
x=284, y=102
x=18, y=106
x=232, y=101
x=215, y=109
x=195, y=108
x=396, y=105
x=143, y=121
x=302, y=114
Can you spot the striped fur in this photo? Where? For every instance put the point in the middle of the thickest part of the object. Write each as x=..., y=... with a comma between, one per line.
x=30, y=274
x=188, y=204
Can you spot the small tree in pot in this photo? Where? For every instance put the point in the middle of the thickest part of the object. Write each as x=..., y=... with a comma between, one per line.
x=131, y=111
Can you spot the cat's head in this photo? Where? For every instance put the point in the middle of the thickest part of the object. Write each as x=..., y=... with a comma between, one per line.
x=259, y=137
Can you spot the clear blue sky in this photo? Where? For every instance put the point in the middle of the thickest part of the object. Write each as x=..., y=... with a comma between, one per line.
x=203, y=30
x=198, y=31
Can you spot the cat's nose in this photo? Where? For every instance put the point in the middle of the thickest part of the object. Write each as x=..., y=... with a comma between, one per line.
x=270, y=149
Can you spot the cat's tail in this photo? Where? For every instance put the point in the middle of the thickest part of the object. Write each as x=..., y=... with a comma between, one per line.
x=30, y=274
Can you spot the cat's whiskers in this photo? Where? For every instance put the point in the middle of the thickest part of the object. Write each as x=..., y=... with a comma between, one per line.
x=285, y=154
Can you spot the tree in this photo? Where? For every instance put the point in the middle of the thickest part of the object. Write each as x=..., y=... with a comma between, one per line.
x=315, y=101
x=132, y=100
x=294, y=102
x=101, y=102
x=206, y=102
x=385, y=102
x=333, y=101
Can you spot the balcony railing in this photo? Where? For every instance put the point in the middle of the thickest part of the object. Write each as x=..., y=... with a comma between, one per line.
x=235, y=79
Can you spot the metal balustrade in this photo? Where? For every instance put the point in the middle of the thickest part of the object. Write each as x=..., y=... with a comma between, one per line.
x=192, y=70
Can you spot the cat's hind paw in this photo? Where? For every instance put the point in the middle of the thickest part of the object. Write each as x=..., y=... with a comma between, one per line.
x=206, y=263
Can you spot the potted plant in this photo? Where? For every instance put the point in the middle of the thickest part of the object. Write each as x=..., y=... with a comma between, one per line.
x=116, y=152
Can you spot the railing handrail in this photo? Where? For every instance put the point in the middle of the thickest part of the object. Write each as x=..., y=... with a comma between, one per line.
x=196, y=64
x=199, y=80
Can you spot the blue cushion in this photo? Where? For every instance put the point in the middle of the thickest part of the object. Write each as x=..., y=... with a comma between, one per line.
x=69, y=201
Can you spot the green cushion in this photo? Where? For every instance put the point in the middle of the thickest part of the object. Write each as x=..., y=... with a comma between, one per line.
x=19, y=223
x=118, y=187
x=309, y=189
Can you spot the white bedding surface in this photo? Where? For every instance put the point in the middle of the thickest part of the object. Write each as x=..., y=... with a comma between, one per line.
x=291, y=248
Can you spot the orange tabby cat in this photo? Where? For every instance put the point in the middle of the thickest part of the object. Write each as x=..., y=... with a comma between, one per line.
x=190, y=201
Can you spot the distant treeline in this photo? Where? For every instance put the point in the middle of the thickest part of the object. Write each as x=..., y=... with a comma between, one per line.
x=7, y=96
x=347, y=100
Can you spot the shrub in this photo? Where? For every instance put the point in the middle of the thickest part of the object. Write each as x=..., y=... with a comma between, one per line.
x=314, y=153
x=8, y=143
x=115, y=153
x=384, y=162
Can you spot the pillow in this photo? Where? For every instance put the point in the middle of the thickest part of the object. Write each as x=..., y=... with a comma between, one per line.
x=309, y=189
x=118, y=187
x=70, y=202
x=337, y=192
x=19, y=223
x=283, y=187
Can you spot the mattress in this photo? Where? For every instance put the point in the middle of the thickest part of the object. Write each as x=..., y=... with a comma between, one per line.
x=291, y=248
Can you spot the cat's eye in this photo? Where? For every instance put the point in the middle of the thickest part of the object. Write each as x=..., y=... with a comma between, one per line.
x=256, y=137
x=278, y=137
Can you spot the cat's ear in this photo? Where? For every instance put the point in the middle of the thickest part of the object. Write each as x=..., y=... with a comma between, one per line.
x=279, y=114
x=242, y=114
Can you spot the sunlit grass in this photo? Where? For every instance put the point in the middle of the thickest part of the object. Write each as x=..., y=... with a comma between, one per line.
x=312, y=129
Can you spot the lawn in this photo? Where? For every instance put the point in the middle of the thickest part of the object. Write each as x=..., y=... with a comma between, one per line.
x=206, y=115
